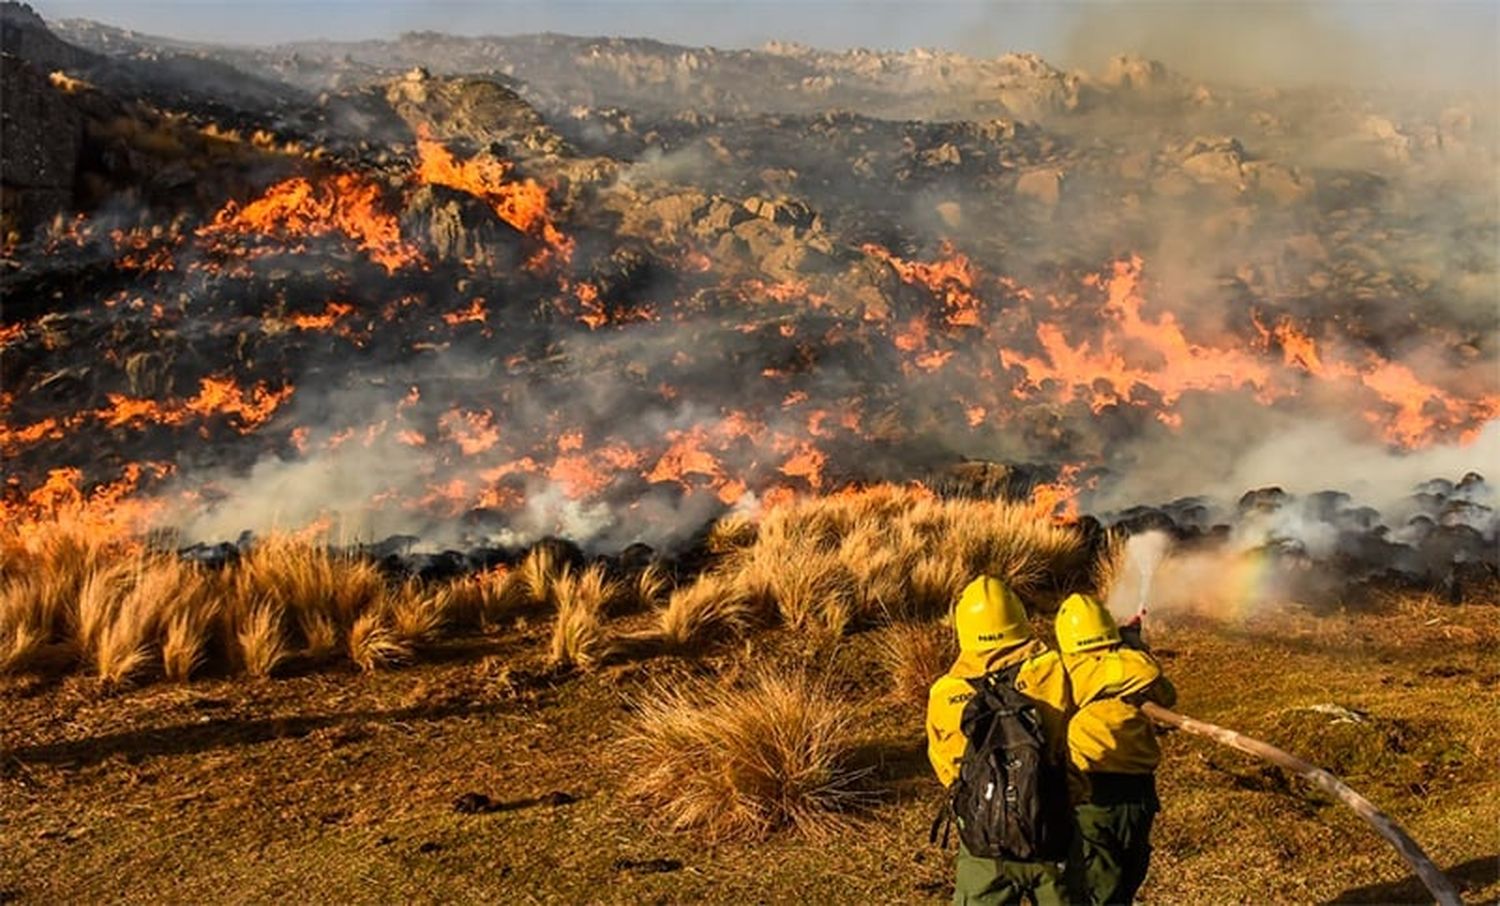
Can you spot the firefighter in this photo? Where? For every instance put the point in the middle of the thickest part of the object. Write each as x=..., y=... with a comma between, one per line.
x=1113, y=747
x=994, y=634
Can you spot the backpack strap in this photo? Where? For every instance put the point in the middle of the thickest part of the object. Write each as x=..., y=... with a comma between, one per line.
x=944, y=821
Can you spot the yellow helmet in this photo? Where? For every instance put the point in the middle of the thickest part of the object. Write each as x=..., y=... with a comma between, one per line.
x=989, y=615
x=1083, y=624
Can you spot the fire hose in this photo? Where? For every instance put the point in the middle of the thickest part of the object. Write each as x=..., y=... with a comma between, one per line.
x=1437, y=883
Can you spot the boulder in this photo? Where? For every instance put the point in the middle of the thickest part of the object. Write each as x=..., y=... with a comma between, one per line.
x=1042, y=185
x=458, y=227
x=1218, y=160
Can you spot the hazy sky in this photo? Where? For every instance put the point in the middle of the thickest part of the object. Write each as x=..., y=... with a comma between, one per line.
x=1444, y=41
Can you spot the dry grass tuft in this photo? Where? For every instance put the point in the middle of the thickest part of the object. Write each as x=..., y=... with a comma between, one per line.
x=305, y=578
x=480, y=600
x=28, y=620
x=416, y=615
x=185, y=640
x=915, y=655
x=835, y=563
x=537, y=573
x=1110, y=564
x=578, y=637
x=262, y=642
x=822, y=566
x=934, y=585
x=372, y=643
x=733, y=532
x=650, y=587
x=744, y=762
x=713, y=607
x=320, y=634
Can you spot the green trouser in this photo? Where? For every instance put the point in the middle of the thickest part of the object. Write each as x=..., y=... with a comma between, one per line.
x=1112, y=839
x=997, y=882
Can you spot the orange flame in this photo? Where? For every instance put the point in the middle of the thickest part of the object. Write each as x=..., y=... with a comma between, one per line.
x=474, y=432
x=294, y=208
x=220, y=396
x=1134, y=353
x=1058, y=500
x=333, y=312
x=520, y=203
x=107, y=511
x=475, y=312
x=950, y=278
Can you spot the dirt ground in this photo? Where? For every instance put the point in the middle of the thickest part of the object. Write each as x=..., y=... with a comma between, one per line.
x=329, y=785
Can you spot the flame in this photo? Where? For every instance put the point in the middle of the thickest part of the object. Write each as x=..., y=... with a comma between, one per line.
x=1422, y=411
x=140, y=250
x=585, y=475
x=108, y=511
x=474, y=432
x=520, y=203
x=294, y=208
x=684, y=457
x=450, y=498
x=1058, y=499
x=806, y=462
x=474, y=313
x=13, y=439
x=333, y=312
x=1133, y=355
x=217, y=396
x=594, y=314
x=951, y=278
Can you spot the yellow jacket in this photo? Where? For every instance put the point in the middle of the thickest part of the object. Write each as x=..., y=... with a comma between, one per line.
x=1108, y=732
x=1041, y=678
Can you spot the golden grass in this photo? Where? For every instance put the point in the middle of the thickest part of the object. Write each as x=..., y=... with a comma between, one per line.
x=304, y=578
x=579, y=637
x=731, y=533
x=835, y=563
x=416, y=617
x=743, y=762
x=373, y=644
x=480, y=600
x=124, y=612
x=650, y=587
x=184, y=642
x=1110, y=564
x=823, y=566
x=537, y=573
x=915, y=655
x=715, y=606
x=262, y=644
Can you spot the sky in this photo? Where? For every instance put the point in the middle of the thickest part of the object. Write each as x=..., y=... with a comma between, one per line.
x=1444, y=42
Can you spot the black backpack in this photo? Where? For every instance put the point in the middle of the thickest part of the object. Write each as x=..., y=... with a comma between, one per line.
x=1010, y=800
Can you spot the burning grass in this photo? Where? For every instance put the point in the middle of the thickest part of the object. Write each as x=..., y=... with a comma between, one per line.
x=742, y=762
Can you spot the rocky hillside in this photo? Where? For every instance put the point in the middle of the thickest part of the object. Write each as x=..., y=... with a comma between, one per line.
x=609, y=288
